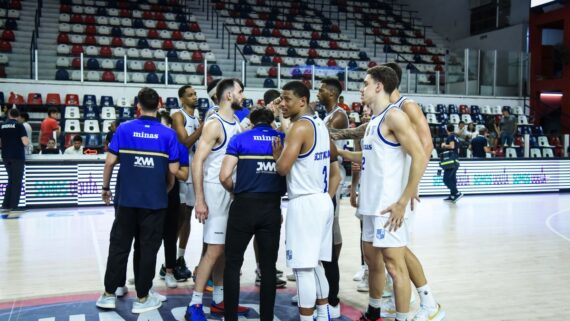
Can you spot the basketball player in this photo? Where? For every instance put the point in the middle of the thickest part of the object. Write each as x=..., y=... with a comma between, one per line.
x=304, y=159
x=336, y=117
x=188, y=131
x=429, y=308
x=212, y=200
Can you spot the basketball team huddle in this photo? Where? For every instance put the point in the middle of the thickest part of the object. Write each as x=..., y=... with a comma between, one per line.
x=232, y=174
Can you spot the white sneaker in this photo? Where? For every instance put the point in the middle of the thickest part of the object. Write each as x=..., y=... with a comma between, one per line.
x=152, y=303
x=170, y=281
x=358, y=276
x=388, y=308
x=161, y=297
x=334, y=311
x=295, y=299
x=106, y=301
x=291, y=277
x=430, y=313
x=121, y=291
x=362, y=286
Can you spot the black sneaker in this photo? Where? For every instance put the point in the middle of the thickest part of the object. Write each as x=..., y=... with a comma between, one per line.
x=448, y=199
x=182, y=268
x=278, y=273
x=177, y=274
x=279, y=283
x=456, y=197
x=162, y=272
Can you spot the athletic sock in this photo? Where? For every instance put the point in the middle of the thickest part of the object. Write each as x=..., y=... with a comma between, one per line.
x=375, y=303
x=306, y=317
x=401, y=316
x=218, y=295
x=426, y=296
x=323, y=312
x=180, y=252
x=196, y=298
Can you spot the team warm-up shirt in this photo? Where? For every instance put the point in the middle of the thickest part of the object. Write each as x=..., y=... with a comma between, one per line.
x=382, y=171
x=256, y=168
x=310, y=172
x=11, y=133
x=145, y=148
x=213, y=162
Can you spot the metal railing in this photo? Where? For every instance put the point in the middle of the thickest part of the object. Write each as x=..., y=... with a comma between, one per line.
x=34, y=42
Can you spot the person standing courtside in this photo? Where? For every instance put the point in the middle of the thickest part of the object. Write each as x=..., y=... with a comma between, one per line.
x=188, y=131
x=13, y=139
x=256, y=210
x=49, y=126
x=451, y=144
x=212, y=200
x=148, y=154
x=305, y=160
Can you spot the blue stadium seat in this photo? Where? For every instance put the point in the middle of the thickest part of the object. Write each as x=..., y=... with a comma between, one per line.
x=352, y=64
x=475, y=110
x=296, y=73
x=120, y=65
x=251, y=40
x=126, y=112
x=172, y=102
x=537, y=131
x=171, y=54
x=266, y=60
x=215, y=70
x=269, y=83
x=116, y=32
x=203, y=105
x=362, y=55
x=291, y=52
x=89, y=101
x=181, y=17
x=310, y=62
x=11, y=24
x=340, y=75
x=61, y=74
x=314, y=44
x=142, y=43
x=452, y=109
x=325, y=35
x=137, y=23
x=91, y=112
x=170, y=79
x=440, y=108
x=101, y=11
x=183, y=27
x=269, y=24
x=266, y=32
x=247, y=103
x=152, y=78
x=93, y=141
x=533, y=141
x=247, y=50
x=107, y=101
x=1, y=98
x=307, y=26
x=92, y=64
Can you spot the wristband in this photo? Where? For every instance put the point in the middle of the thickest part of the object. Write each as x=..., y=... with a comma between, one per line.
x=106, y=188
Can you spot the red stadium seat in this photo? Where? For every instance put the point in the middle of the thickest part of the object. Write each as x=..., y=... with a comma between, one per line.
x=331, y=62
x=277, y=60
x=197, y=56
x=313, y=53
x=177, y=35
x=463, y=109
x=116, y=42
x=200, y=69
x=76, y=50
x=8, y=35
x=35, y=99
x=72, y=100
x=53, y=99
x=270, y=51
x=272, y=72
x=161, y=25
x=125, y=13
x=283, y=42
x=255, y=31
x=105, y=52
x=76, y=63
x=335, y=28
x=62, y=38
x=333, y=44
x=76, y=18
x=307, y=83
x=149, y=66
x=307, y=74
x=152, y=34
x=90, y=20
x=16, y=5
x=148, y=15
x=276, y=33
x=194, y=27
x=108, y=76
x=91, y=30
x=167, y=44
x=64, y=8
x=90, y=40
x=250, y=23
x=16, y=99
x=372, y=64
x=315, y=35
x=5, y=46
x=241, y=39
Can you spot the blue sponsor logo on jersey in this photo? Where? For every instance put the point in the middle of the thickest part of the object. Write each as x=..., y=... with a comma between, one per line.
x=367, y=147
x=322, y=155
x=380, y=233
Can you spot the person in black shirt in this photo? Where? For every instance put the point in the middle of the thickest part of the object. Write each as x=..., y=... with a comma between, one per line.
x=450, y=174
x=13, y=138
x=479, y=145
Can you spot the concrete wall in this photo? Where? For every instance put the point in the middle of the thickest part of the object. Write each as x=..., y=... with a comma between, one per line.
x=512, y=38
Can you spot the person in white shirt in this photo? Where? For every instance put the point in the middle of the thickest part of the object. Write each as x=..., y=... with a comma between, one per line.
x=24, y=118
x=76, y=148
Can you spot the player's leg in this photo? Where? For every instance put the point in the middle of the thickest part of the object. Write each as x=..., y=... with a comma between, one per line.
x=396, y=266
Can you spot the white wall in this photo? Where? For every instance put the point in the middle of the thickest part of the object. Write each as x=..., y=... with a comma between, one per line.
x=512, y=38
x=118, y=90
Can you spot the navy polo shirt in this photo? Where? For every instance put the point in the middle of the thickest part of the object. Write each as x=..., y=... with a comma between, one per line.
x=11, y=133
x=256, y=168
x=478, y=146
x=452, y=138
x=183, y=154
x=145, y=148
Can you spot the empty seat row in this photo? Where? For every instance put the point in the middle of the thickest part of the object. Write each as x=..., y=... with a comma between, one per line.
x=106, y=52
x=289, y=34
x=143, y=11
x=102, y=21
x=131, y=32
x=132, y=47
x=136, y=77
x=295, y=29
x=149, y=65
x=302, y=52
x=91, y=112
x=292, y=42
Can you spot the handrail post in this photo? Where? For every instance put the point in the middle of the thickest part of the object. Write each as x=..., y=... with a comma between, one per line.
x=36, y=63
x=166, y=71
x=243, y=79
x=205, y=73
x=313, y=76
x=279, y=75
x=235, y=57
x=346, y=78
x=81, y=69
x=125, y=69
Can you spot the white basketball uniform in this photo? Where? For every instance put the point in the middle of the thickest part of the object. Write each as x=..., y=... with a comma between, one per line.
x=381, y=185
x=187, y=196
x=308, y=227
x=217, y=198
x=337, y=236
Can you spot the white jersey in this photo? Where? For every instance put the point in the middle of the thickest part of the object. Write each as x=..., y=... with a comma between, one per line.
x=341, y=142
x=383, y=166
x=310, y=173
x=213, y=162
x=408, y=162
x=191, y=123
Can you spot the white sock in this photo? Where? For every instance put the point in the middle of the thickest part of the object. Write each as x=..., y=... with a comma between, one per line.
x=365, y=267
x=401, y=316
x=375, y=303
x=180, y=252
x=306, y=318
x=196, y=298
x=218, y=295
x=323, y=312
x=426, y=297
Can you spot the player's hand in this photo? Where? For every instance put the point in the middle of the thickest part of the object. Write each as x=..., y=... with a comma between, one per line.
x=416, y=197
x=201, y=210
x=353, y=198
x=277, y=147
x=397, y=211
x=355, y=167
x=106, y=196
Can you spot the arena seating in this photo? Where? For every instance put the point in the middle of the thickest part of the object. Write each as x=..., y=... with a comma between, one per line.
x=9, y=17
x=145, y=32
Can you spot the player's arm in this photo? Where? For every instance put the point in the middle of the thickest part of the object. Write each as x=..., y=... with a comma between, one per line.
x=334, y=175
x=110, y=163
x=338, y=120
x=421, y=126
x=355, y=170
x=286, y=155
x=348, y=133
x=210, y=135
x=183, y=173
x=355, y=157
x=181, y=134
x=451, y=145
x=399, y=124
x=228, y=165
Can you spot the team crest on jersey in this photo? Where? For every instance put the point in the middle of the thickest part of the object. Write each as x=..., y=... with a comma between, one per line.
x=289, y=254
x=380, y=233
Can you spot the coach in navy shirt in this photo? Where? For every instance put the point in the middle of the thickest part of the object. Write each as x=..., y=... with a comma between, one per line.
x=148, y=154
x=256, y=209
x=479, y=145
x=14, y=138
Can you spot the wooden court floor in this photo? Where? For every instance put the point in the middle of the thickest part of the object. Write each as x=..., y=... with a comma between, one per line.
x=504, y=257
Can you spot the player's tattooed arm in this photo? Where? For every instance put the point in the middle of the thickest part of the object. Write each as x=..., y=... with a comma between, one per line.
x=348, y=133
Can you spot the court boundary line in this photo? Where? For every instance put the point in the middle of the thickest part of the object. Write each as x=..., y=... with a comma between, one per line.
x=552, y=229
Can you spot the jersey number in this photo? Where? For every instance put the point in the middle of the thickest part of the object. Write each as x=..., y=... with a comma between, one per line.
x=363, y=162
x=326, y=182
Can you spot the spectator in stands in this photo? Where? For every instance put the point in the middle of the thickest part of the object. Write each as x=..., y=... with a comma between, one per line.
x=112, y=129
x=507, y=127
x=470, y=133
x=342, y=105
x=479, y=144
x=460, y=131
x=13, y=139
x=49, y=125
x=76, y=148
x=24, y=118
x=366, y=114
x=450, y=174
x=51, y=148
